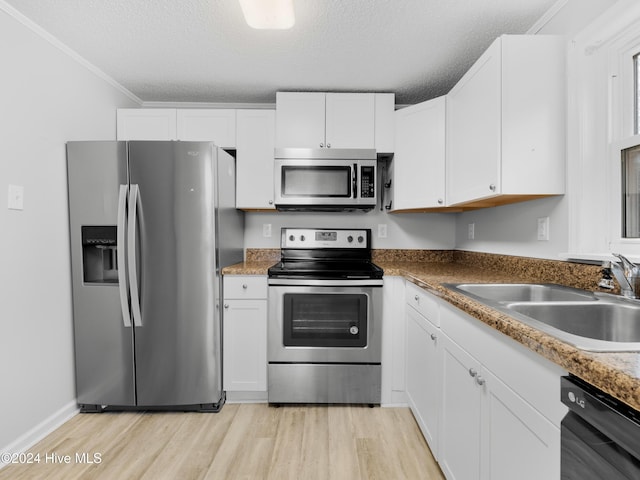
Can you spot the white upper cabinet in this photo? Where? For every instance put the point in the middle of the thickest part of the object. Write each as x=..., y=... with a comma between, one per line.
x=146, y=124
x=506, y=124
x=333, y=120
x=300, y=119
x=207, y=124
x=350, y=120
x=254, y=159
x=419, y=160
x=197, y=124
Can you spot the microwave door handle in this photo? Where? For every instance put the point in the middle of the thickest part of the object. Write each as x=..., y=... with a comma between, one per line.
x=355, y=180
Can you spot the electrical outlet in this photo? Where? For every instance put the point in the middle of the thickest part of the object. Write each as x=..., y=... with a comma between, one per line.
x=15, y=197
x=543, y=228
x=382, y=230
x=266, y=230
x=471, y=231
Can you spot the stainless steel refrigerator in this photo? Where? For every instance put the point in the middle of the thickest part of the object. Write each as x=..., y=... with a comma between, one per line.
x=151, y=224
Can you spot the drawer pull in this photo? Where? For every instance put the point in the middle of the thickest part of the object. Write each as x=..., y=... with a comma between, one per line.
x=473, y=372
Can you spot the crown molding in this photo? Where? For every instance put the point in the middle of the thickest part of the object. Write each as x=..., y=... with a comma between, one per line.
x=41, y=32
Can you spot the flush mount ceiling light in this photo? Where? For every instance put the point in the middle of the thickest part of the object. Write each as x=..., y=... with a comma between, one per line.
x=268, y=14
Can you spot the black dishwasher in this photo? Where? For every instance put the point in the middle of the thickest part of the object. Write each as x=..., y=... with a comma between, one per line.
x=600, y=436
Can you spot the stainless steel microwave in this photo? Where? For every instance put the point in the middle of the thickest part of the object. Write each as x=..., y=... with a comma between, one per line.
x=325, y=179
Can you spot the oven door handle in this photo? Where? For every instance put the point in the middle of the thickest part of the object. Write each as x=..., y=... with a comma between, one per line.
x=298, y=282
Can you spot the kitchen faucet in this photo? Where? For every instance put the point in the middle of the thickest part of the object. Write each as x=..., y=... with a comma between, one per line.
x=628, y=276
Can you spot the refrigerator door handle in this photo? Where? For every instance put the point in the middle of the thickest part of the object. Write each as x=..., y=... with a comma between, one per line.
x=132, y=255
x=121, y=257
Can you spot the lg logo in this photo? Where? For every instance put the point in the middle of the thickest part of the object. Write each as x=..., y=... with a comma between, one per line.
x=578, y=401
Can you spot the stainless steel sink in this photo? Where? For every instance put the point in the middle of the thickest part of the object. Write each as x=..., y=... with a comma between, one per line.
x=603, y=321
x=524, y=292
x=591, y=321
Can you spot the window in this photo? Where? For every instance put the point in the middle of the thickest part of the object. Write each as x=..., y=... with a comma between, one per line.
x=630, y=156
x=604, y=136
x=636, y=89
x=631, y=192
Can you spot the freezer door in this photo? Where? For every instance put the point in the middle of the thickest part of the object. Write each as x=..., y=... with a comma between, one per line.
x=177, y=346
x=97, y=174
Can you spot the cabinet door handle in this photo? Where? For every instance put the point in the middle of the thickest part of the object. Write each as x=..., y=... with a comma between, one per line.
x=244, y=286
x=473, y=372
x=434, y=337
x=270, y=202
x=440, y=201
x=492, y=187
x=417, y=298
x=322, y=145
x=328, y=145
x=226, y=305
x=480, y=381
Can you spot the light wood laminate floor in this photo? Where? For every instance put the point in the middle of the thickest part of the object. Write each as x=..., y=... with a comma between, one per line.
x=243, y=441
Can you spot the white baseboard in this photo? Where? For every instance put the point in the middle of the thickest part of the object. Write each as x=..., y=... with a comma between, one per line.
x=44, y=428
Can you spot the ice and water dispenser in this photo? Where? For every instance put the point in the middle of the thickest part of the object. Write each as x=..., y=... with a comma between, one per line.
x=99, y=254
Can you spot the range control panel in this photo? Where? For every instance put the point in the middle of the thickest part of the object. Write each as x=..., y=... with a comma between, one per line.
x=324, y=238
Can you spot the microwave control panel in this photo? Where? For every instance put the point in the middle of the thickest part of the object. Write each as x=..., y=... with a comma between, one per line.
x=368, y=182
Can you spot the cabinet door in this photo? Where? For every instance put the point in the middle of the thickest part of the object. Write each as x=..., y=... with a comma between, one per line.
x=255, y=137
x=245, y=345
x=208, y=125
x=424, y=380
x=459, y=448
x=419, y=161
x=146, y=124
x=300, y=119
x=517, y=441
x=350, y=120
x=474, y=131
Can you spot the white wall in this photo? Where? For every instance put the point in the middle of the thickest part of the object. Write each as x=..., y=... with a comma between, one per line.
x=411, y=231
x=512, y=229
x=46, y=98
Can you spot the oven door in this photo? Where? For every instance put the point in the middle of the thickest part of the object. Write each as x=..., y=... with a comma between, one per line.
x=324, y=324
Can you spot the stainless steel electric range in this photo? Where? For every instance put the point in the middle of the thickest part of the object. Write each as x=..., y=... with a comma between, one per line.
x=325, y=318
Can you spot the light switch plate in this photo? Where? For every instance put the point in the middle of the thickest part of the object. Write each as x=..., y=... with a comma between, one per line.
x=266, y=230
x=15, y=197
x=471, y=231
x=382, y=230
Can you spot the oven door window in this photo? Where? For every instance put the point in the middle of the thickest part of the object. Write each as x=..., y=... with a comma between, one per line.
x=318, y=181
x=325, y=320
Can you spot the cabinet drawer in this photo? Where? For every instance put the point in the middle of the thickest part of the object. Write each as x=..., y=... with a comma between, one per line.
x=245, y=286
x=422, y=302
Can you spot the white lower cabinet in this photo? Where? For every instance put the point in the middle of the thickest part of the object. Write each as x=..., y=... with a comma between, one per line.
x=488, y=407
x=245, y=338
x=488, y=431
x=461, y=414
x=424, y=374
x=517, y=441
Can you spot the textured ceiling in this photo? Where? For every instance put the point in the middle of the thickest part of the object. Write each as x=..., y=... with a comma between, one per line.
x=202, y=50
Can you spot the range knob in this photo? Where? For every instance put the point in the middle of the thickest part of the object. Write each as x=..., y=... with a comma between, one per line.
x=349, y=239
x=360, y=239
x=291, y=238
x=302, y=239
